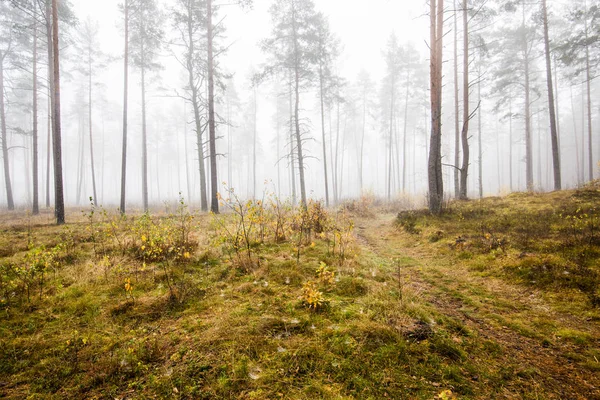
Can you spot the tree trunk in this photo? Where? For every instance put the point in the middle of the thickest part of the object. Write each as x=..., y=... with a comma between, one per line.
x=464, y=170
x=405, y=128
x=36, y=206
x=336, y=162
x=125, y=92
x=254, y=139
x=479, y=134
x=362, y=143
x=9, y=193
x=292, y=157
x=50, y=97
x=510, y=144
x=435, y=178
x=322, y=95
x=299, y=140
x=390, y=139
x=551, y=104
x=456, y=108
x=197, y=117
x=297, y=110
x=214, y=200
x=48, y=155
x=577, y=161
x=187, y=165
x=278, y=130
x=528, y=141
x=59, y=202
x=80, y=130
x=589, y=97
x=91, y=136
x=144, y=134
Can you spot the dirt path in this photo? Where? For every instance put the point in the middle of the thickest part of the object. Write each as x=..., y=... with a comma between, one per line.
x=495, y=310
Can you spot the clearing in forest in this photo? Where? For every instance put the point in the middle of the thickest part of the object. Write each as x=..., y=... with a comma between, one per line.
x=494, y=299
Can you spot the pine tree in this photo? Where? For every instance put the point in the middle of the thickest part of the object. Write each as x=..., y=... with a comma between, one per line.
x=292, y=47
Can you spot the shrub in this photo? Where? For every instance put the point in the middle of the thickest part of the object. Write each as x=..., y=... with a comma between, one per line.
x=407, y=220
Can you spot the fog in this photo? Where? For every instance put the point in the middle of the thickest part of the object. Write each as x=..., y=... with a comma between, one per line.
x=366, y=104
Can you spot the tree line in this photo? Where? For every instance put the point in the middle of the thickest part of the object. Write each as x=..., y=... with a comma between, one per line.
x=504, y=47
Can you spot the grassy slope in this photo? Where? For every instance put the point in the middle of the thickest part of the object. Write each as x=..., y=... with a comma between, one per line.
x=490, y=315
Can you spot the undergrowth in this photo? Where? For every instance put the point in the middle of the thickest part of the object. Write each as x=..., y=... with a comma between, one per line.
x=549, y=241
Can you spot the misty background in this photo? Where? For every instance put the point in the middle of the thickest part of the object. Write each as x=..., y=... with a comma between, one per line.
x=254, y=115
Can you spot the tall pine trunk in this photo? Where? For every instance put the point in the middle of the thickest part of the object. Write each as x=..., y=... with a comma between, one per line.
x=577, y=161
x=528, y=140
x=144, y=143
x=299, y=139
x=254, y=140
x=510, y=143
x=196, y=107
x=322, y=101
x=391, y=138
x=36, y=206
x=362, y=144
x=297, y=57
x=59, y=202
x=405, y=128
x=480, y=149
x=50, y=98
x=214, y=201
x=456, y=108
x=551, y=104
x=80, y=130
x=292, y=156
x=588, y=76
x=125, y=93
x=464, y=170
x=90, y=122
x=435, y=177
x=7, y=181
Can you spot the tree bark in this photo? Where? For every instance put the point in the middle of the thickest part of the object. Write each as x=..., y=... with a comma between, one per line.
x=406, y=98
x=90, y=122
x=7, y=181
x=80, y=133
x=36, y=206
x=292, y=157
x=551, y=104
x=254, y=140
x=214, y=201
x=322, y=95
x=456, y=108
x=144, y=144
x=362, y=143
x=125, y=93
x=59, y=202
x=528, y=141
x=299, y=139
x=510, y=144
x=589, y=78
x=50, y=97
x=435, y=178
x=577, y=161
x=196, y=108
x=390, y=139
x=464, y=170
x=480, y=149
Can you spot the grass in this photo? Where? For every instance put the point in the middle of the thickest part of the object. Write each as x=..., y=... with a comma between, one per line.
x=213, y=311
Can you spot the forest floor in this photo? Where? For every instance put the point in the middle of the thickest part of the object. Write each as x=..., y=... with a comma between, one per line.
x=497, y=298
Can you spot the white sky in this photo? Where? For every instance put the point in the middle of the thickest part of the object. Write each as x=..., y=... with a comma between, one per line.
x=363, y=27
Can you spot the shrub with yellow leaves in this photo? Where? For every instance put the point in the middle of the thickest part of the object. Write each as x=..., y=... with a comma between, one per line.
x=312, y=296
x=325, y=276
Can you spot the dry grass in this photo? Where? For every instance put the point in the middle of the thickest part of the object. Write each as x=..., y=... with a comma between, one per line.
x=407, y=317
